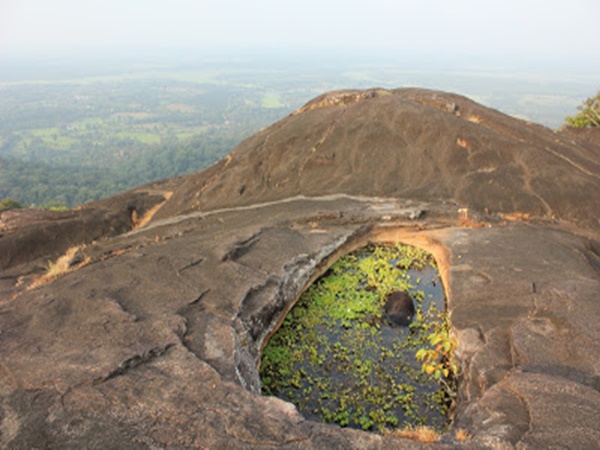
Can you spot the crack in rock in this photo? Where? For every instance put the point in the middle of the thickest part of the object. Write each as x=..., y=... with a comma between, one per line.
x=240, y=248
x=135, y=361
x=197, y=300
x=193, y=263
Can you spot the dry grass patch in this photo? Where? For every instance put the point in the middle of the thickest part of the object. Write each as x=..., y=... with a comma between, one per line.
x=72, y=260
x=516, y=217
x=420, y=433
x=463, y=435
x=139, y=222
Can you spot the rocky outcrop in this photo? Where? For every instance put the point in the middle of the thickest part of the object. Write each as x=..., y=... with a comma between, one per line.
x=154, y=343
x=406, y=143
x=30, y=234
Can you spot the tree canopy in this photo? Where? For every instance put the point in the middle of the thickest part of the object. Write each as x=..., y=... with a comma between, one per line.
x=8, y=203
x=589, y=114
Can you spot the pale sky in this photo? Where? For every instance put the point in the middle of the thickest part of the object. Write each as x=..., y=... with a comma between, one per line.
x=526, y=28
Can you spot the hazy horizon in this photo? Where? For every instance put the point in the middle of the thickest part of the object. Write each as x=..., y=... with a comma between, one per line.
x=99, y=96
x=530, y=32
x=547, y=40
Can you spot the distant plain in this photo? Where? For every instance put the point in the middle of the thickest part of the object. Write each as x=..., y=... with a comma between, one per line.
x=78, y=129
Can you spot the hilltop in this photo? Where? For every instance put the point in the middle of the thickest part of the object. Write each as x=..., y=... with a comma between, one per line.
x=150, y=333
x=405, y=143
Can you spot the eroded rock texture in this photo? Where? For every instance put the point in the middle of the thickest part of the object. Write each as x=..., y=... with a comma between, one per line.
x=154, y=341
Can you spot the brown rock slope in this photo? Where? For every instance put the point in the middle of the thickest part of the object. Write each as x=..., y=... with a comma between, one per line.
x=151, y=336
x=29, y=234
x=407, y=143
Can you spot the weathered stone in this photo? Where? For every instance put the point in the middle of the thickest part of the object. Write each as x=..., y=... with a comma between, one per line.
x=155, y=342
x=399, y=309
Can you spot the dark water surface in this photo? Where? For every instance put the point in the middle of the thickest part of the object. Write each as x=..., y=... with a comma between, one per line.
x=362, y=373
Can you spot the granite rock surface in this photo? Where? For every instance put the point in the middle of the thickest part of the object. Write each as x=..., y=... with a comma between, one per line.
x=152, y=336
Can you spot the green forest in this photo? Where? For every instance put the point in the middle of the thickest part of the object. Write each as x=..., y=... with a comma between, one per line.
x=69, y=143
x=76, y=137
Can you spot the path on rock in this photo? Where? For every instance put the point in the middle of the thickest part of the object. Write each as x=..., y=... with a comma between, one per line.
x=411, y=213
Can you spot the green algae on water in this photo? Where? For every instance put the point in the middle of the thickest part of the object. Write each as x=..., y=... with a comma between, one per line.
x=338, y=360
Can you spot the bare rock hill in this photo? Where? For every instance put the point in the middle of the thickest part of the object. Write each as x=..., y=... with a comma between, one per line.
x=406, y=143
x=149, y=334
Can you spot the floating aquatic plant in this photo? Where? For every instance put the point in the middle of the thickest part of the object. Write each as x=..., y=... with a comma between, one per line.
x=339, y=361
